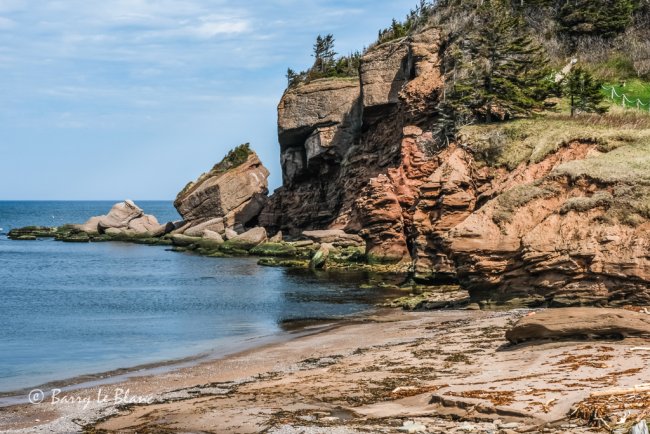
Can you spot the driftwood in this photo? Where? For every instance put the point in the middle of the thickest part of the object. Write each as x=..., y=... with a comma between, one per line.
x=636, y=389
x=639, y=428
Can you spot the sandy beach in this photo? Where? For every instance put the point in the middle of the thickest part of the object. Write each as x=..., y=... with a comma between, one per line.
x=440, y=371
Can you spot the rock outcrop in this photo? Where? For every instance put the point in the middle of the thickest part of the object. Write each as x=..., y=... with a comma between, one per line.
x=317, y=121
x=125, y=218
x=541, y=213
x=230, y=196
x=365, y=119
x=580, y=323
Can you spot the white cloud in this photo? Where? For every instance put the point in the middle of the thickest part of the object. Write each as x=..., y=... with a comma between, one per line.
x=211, y=27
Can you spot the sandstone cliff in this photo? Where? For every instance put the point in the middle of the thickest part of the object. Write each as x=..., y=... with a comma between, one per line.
x=229, y=196
x=549, y=211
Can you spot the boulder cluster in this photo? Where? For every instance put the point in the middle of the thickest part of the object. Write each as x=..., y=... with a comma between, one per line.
x=126, y=219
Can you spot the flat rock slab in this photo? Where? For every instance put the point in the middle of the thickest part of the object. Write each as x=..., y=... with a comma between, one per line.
x=580, y=323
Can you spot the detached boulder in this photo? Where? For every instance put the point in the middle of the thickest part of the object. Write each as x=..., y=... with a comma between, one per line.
x=127, y=219
x=336, y=237
x=234, y=191
x=211, y=235
x=243, y=243
x=215, y=225
x=251, y=238
x=580, y=323
x=319, y=260
x=120, y=216
x=230, y=234
x=147, y=224
x=91, y=226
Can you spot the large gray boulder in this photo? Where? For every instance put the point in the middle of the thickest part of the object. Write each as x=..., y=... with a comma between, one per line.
x=196, y=229
x=211, y=235
x=147, y=224
x=120, y=215
x=251, y=238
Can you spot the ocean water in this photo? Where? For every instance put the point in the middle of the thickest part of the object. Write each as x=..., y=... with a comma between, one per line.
x=70, y=309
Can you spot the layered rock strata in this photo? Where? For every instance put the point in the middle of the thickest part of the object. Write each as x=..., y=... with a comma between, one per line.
x=363, y=156
x=230, y=196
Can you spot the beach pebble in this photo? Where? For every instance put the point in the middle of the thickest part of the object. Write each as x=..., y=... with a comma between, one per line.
x=412, y=427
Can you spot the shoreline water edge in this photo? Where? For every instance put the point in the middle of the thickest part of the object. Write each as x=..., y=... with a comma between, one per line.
x=383, y=372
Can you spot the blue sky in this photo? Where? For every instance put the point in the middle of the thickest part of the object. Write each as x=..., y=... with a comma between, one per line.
x=114, y=99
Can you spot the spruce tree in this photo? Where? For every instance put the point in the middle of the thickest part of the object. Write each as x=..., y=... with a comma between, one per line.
x=602, y=18
x=292, y=77
x=584, y=92
x=324, y=53
x=500, y=71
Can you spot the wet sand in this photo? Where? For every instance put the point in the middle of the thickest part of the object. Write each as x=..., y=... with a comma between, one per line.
x=449, y=371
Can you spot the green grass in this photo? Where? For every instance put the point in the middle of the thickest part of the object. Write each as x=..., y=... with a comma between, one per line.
x=620, y=168
x=628, y=164
x=634, y=89
x=236, y=157
x=509, y=144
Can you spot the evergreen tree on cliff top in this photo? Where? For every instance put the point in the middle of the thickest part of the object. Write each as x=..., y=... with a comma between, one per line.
x=324, y=53
x=499, y=71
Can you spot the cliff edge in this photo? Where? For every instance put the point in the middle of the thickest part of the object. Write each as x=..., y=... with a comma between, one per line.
x=551, y=210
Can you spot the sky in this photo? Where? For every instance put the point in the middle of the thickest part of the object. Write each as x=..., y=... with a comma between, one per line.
x=116, y=99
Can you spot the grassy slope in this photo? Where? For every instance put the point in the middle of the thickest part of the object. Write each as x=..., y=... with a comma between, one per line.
x=531, y=140
x=623, y=165
x=634, y=89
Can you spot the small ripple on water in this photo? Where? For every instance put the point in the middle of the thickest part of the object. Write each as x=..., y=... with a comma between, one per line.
x=69, y=310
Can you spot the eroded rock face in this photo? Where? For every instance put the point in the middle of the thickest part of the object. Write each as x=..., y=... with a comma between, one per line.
x=232, y=194
x=317, y=122
x=362, y=157
x=538, y=252
x=384, y=72
x=336, y=136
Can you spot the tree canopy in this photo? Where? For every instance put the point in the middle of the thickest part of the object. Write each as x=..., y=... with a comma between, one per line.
x=499, y=71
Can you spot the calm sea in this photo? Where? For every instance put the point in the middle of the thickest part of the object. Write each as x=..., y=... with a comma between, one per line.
x=68, y=310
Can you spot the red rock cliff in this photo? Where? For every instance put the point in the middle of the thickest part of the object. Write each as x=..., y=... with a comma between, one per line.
x=359, y=155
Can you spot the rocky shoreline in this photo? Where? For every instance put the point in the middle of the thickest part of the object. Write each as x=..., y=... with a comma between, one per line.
x=392, y=372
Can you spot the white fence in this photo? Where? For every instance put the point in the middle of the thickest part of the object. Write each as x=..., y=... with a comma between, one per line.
x=625, y=101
